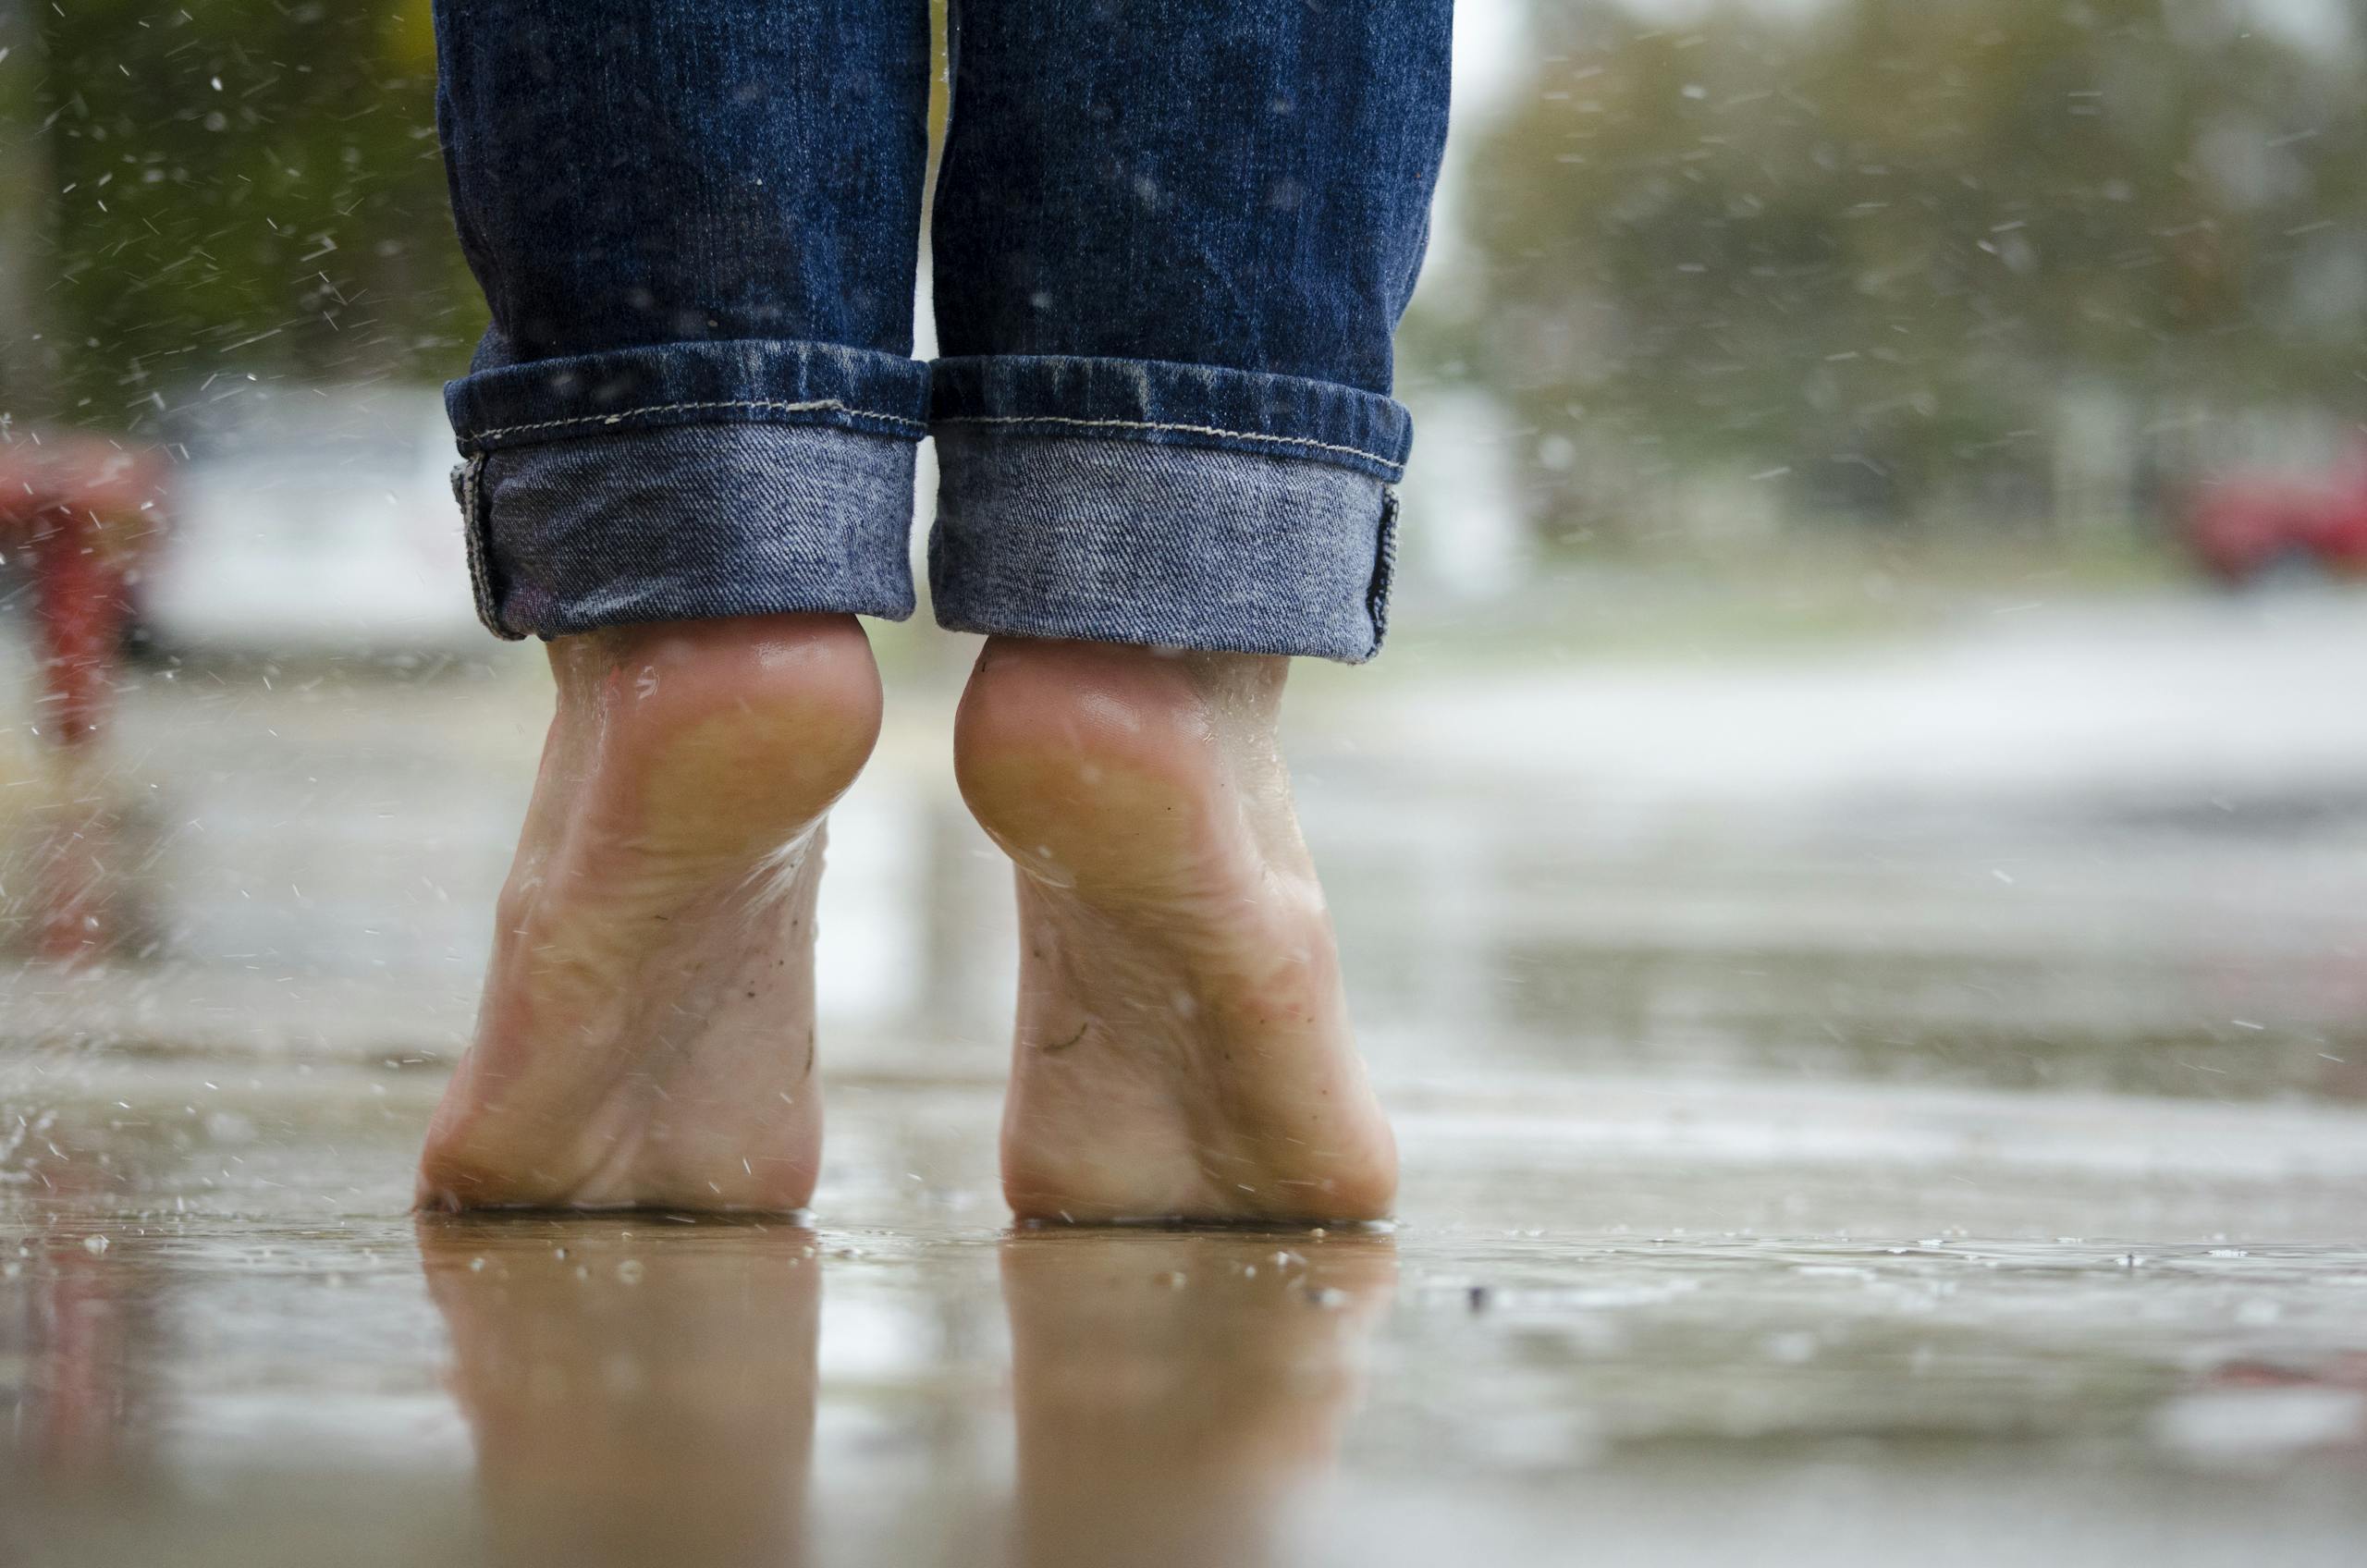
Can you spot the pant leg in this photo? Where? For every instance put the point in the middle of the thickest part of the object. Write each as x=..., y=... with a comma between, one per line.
x=1171, y=241
x=695, y=226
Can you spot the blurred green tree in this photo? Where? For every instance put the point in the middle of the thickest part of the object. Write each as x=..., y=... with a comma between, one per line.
x=1866, y=245
x=24, y=183
x=200, y=188
x=232, y=186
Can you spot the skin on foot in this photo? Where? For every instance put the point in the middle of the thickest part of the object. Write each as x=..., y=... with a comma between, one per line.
x=1182, y=1047
x=647, y=1037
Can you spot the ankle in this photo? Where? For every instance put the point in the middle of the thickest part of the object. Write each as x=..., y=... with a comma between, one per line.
x=1072, y=755
x=794, y=700
x=1096, y=701
x=1118, y=768
x=788, y=655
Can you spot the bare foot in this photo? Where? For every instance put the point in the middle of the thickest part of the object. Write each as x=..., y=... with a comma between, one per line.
x=647, y=1037
x=1184, y=1049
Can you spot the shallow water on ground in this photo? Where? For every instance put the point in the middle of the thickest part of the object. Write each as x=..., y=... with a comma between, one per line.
x=1939, y=1142
x=1619, y=1320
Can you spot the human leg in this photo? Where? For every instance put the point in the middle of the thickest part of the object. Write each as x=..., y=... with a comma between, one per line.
x=1171, y=242
x=688, y=438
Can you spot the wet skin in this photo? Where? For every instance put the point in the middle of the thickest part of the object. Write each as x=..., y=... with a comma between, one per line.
x=647, y=1037
x=1182, y=1047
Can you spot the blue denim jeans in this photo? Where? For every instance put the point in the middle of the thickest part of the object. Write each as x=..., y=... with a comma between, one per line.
x=1171, y=241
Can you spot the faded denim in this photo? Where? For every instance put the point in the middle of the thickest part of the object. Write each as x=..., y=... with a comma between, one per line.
x=1172, y=240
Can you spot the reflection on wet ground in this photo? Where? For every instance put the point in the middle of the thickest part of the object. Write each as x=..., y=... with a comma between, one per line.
x=1873, y=1320
x=1713, y=870
x=1735, y=1230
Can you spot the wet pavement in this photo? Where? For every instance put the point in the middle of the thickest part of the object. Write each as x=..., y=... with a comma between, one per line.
x=1942, y=1144
x=2091, y=846
x=1618, y=1320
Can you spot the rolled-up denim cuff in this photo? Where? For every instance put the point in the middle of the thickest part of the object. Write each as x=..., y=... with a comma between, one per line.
x=688, y=481
x=744, y=381
x=688, y=523
x=1175, y=505
x=1160, y=404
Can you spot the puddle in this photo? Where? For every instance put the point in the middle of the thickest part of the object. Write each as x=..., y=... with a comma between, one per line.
x=223, y=1340
x=1735, y=1228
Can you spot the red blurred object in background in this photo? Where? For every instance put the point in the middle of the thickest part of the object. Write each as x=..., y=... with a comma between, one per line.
x=2244, y=529
x=83, y=510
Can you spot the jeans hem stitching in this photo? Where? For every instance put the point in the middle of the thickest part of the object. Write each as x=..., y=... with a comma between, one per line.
x=1390, y=463
x=818, y=406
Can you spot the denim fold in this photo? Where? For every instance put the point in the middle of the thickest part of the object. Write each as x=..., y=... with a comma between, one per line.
x=1163, y=505
x=745, y=381
x=688, y=523
x=688, y=480
x=1179, y=405
x=1169, y=245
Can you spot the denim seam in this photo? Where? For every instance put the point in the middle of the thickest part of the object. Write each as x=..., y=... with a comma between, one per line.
x=1180, y=429
x=818, y=406
x=1384, y=571
x=477, y=526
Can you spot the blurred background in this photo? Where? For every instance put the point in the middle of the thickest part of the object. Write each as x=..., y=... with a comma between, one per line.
x=1878, y=600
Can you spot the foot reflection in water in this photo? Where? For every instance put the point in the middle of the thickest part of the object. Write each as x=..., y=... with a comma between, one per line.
x=1173, y=1391
x=642, y=1395
x=633, y=1402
